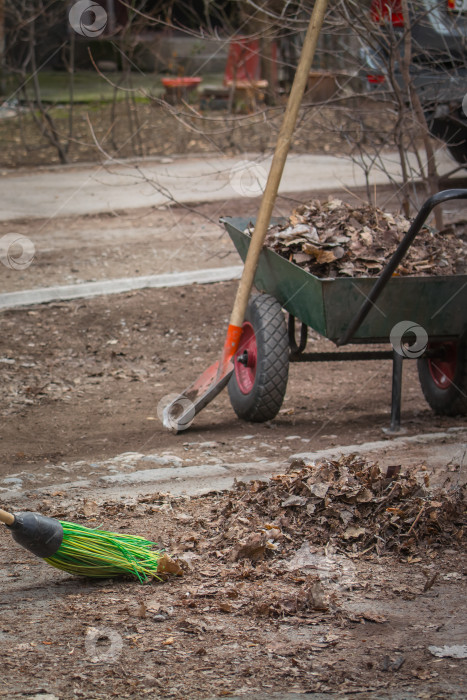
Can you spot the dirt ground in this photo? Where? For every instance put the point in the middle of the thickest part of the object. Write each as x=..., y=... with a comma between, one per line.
x=84, y=379
x=82, y=382
x=351, y=626
x=70, y=250
x=72, y=370
x=150, y=241
x=86, y=386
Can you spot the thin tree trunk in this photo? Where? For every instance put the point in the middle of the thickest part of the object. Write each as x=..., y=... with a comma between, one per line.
x=49, y=130
x=71, y=84
x=432, y=175
x=2, y=46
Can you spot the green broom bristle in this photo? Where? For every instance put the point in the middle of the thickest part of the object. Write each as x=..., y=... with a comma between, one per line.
x=103, y=554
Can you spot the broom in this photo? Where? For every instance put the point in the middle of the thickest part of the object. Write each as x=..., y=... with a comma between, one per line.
x=179, y=413
x=85, y=552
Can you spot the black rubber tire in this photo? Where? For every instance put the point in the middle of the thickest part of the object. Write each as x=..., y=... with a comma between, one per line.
x=451, y=401
x=453, y=131
x=264, y=400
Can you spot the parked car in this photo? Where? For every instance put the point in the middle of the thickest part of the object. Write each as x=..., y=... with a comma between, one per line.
x=438, y=64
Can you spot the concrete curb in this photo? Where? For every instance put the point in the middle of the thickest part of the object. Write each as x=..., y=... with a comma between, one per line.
x=44, y=295
x=389, y=444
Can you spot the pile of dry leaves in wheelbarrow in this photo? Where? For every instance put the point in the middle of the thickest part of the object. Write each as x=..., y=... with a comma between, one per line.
x=335, y=239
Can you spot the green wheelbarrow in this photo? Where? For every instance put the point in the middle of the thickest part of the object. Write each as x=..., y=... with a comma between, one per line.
x=423, y=318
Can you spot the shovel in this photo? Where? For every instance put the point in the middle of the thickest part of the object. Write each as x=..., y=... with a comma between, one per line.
x=179, y=413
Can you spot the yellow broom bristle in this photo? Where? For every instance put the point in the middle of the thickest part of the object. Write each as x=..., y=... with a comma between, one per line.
x=100, y=554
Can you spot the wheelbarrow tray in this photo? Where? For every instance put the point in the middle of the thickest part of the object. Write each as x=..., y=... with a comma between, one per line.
x=438, y=304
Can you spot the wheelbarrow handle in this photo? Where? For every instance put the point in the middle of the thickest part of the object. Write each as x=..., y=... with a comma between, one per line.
x=396, y=258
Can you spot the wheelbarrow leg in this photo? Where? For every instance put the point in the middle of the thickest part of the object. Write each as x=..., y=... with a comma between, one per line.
x=395, y=426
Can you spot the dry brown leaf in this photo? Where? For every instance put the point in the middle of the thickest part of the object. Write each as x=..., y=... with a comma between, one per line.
x=253, y=549
x=90, y=508
x=225, y=607
x=353, y=532
x=324, y=256
x=166, y=565
x=374, y=617
x=142, y=610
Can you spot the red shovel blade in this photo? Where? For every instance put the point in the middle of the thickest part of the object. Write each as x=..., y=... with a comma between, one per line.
x=179, y=413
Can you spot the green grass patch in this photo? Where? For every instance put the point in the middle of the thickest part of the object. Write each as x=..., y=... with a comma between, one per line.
x=90, y=86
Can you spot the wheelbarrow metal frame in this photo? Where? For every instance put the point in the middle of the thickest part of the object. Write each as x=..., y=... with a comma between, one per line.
x=435, y=303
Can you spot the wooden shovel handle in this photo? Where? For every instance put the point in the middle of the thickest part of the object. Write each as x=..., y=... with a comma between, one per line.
x=6, y=518
x=278, y=162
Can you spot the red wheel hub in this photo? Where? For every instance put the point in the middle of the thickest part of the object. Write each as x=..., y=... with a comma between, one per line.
x=245, y=360
x=443, y=368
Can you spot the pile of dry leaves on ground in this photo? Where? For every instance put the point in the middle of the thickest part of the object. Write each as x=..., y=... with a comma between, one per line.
x=348, y=503
x=292, y=545
x=331, y=239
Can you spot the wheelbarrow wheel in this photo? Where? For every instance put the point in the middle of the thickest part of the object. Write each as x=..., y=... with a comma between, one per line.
x=444, y=379
x=257, y=386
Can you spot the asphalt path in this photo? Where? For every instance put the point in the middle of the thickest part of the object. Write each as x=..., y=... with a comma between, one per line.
x=118, y=185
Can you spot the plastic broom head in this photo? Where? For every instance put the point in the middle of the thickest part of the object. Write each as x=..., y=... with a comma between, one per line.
x=85, y=552
x=100, y=554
